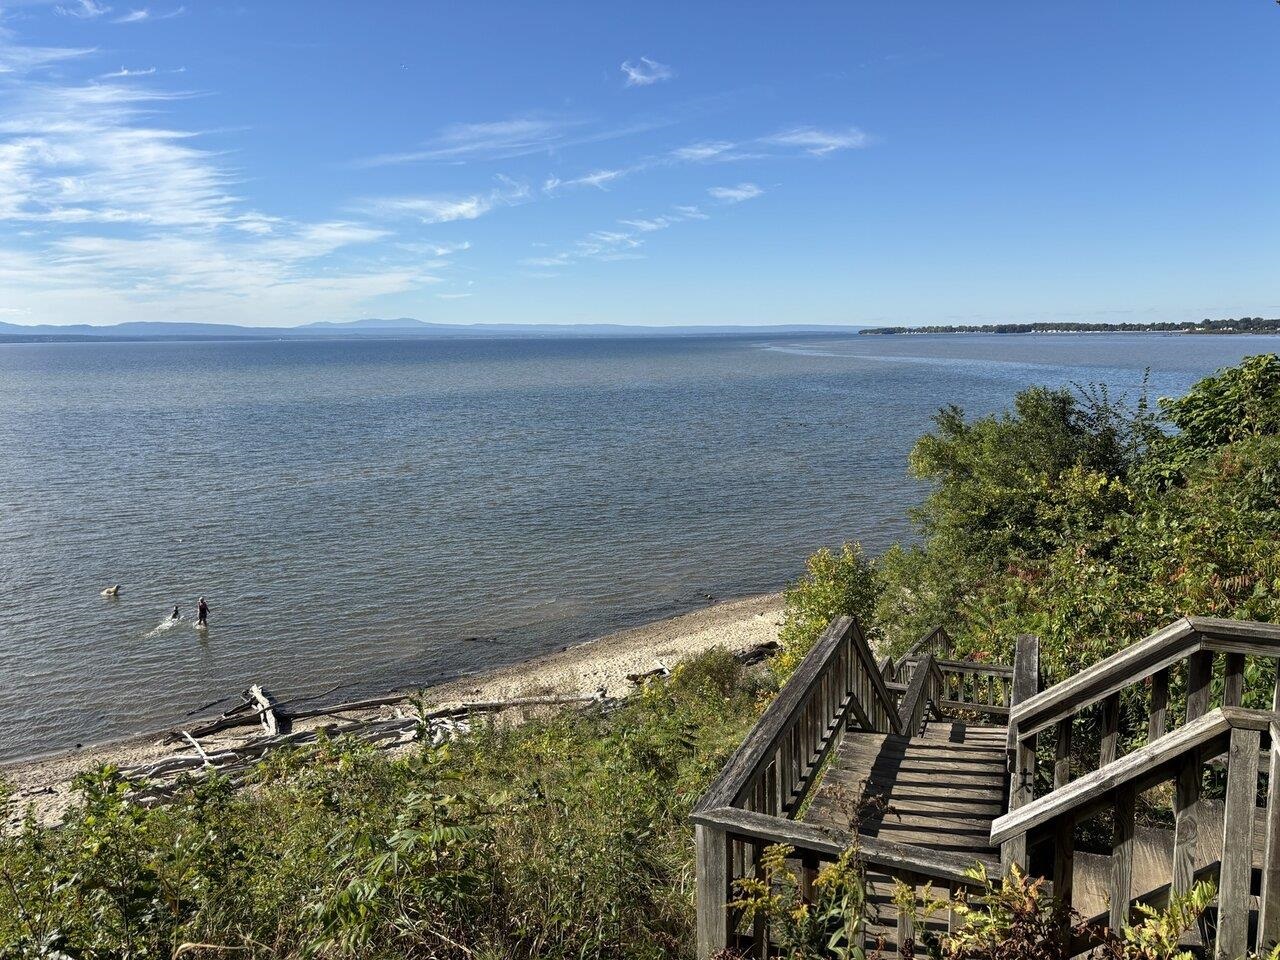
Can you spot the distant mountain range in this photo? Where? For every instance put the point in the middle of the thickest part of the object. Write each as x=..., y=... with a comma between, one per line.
x=381, y=328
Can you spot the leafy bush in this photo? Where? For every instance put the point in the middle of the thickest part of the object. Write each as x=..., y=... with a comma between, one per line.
x=835, y=584
x=827, y=925
x=1092, y=524
x=566, y=836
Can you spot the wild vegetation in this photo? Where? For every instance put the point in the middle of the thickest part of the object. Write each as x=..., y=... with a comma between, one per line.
x=1076, y=515
x=564, y=836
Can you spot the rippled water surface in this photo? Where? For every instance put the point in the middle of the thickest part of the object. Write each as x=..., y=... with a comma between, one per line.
x=367, y=514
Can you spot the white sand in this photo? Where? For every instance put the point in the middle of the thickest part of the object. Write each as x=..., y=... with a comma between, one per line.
x=43, y=785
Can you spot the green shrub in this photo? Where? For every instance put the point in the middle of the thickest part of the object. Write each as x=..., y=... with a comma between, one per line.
x=834, y=584
x=566, y=836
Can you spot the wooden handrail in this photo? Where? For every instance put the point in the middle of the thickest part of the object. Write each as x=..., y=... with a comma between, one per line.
x=938, y=865
x=761, y=745
x=1141, y=660
x=1206, y=733
x=976, y=666
x=1176, y=757
x=924, y=687
x=936, y=641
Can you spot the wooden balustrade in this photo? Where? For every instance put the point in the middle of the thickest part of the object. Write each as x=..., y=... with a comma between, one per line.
x=1233, y=732
x=1202, y=660
x=753, y=801
x=922, y=693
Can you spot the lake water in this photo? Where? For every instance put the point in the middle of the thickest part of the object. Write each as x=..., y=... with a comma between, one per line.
x=363, y=515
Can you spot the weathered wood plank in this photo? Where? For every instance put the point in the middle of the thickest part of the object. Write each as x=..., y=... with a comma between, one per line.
x=1122, y=855
x=936, y=865
x=1269, y=919
x=1062, y=755
x=1157, y=722
x=712, y=890
x=1026, y=683
x=1237, y=845
x=1199, y=684
x=1233, y=680
x=1110, y=729
x=1064, y=861
x=1139, y=767
x=1139, y=660
x=1186, y=827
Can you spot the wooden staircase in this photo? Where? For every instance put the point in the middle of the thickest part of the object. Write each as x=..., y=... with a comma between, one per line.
x=930, y=767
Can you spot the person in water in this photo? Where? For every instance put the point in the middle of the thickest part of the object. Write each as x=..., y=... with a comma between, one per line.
x=175, y=615
x=202, y=613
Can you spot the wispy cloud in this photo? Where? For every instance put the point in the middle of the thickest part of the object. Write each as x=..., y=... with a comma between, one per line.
x=511, y=138
x=17, y=59
x=145, y=13
x=645, y=71
x=613, y=244
x=83, y=10
x=126, y=72
x=597, y=178
x=121, y=216
x=743, y=191
x=446, y=209
x=452, y=296
x=817, y=142
x=707, y=150
x=496, y=140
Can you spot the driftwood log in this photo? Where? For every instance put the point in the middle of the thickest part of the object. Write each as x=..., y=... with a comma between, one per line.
x=156, y=781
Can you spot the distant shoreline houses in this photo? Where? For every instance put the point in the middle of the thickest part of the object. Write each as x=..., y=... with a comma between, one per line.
x=1242, y=325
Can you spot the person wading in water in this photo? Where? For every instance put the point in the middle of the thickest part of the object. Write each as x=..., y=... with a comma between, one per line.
x=202, y=613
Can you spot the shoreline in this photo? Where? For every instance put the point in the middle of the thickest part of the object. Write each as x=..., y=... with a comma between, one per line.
x=42, y=782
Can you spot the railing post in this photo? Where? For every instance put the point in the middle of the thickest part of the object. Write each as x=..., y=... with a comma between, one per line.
x=1237, y=845
x=712, y=850
x=1186, y=791
x=1026, y=683
x=1110, y=730
x=1122, y=856
x=1157, y=722
x=1269, y=902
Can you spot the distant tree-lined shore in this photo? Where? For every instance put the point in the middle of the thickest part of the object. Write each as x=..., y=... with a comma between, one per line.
x=1233, y=325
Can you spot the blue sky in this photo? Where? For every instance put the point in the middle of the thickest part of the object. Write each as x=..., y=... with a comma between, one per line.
x=858, y=162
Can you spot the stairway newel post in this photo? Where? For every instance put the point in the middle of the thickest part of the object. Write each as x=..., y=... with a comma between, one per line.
x=1269, y=923
x=1022, y=750
x=712, y=851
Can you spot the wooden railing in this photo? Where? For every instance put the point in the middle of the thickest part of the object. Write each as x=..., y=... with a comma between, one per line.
x=922, y=693
x=837, y=683
x=753, y=801
x=973, y=687
x=937, y=642
x=968, y=686
x=1137, y=682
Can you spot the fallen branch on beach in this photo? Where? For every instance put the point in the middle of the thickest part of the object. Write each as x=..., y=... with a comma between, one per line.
x=157, y=780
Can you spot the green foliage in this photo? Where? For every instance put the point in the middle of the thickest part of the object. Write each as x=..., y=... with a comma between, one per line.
x=834, y=584
x=1156, y=936
x=1016, y=919
x=1081, y=521
x=1013, y=919
x=827, y=925
x=565, y=836
x=1237, y=404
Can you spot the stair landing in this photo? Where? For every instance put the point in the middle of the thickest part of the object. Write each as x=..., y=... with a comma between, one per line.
x=939, y=791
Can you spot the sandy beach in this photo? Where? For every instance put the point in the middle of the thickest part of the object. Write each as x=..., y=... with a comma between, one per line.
x=598, y=666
